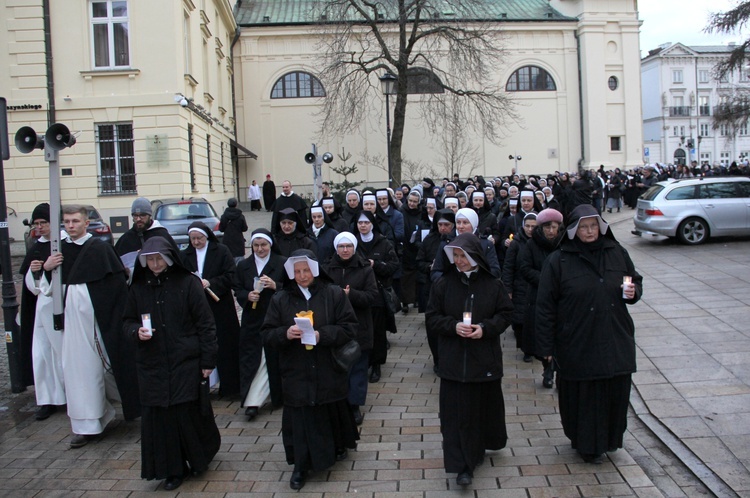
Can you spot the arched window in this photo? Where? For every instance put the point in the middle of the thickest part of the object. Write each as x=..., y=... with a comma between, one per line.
x=297, y=85
x=530, y=79
x=423, y=81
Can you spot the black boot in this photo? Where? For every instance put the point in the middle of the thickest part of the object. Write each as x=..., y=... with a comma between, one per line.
x=548, y=375
x=375, y=374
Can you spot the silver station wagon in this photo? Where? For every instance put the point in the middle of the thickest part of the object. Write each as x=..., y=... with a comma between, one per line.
x=695, y=209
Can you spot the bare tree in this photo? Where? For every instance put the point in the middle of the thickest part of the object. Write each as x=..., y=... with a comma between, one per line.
x=734, y=110
x=446, y=50
x=458, y=153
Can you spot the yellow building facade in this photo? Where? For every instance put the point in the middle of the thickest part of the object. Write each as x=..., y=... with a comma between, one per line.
x=145, y=86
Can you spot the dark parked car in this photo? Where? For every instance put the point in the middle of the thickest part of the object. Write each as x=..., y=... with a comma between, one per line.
x=97, y=227
x=176, y=215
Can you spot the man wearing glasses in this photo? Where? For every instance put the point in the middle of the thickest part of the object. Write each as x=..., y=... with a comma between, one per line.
x=41, y=343
x=144, y=227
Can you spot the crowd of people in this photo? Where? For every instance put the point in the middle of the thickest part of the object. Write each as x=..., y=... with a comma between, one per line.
x=153, y=327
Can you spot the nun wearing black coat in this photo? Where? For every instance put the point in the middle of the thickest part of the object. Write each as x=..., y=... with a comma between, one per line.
x=582, y=322
x=472, y=410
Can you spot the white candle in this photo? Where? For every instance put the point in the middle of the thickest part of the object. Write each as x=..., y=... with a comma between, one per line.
x=146, y=319
x=467, y=317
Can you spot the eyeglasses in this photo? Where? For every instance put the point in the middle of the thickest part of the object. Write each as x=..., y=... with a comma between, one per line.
x=39, y=224
x=140, y=216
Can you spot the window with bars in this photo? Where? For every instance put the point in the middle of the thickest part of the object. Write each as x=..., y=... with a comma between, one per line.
x=297, y=85
x=115, y=146
x=109, y=34
x=530, y=79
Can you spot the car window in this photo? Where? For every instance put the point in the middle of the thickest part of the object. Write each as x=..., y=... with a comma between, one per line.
x=744, y=188
x=652, y=192
x=681, y=194
x=93, y=214
x=185, y=211
x=718, y=191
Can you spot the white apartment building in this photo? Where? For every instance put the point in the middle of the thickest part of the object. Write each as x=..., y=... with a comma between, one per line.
x=680, y=97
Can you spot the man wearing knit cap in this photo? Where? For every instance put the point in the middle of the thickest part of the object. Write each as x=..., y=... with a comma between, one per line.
x=144, y=227
x=41, y=344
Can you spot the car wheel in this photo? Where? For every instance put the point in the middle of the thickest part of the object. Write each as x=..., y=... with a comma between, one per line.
x=693, y=231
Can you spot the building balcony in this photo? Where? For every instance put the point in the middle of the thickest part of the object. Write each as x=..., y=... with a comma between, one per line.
x=704, y=110
x=681, y=110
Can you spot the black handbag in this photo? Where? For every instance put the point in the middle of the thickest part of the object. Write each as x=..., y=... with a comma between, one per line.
x=345, y=356
x=391, y=299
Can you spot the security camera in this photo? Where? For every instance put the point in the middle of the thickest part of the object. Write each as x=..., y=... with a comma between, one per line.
x=184, y=102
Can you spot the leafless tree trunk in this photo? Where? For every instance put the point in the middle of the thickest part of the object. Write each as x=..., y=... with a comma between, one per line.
x=447, y=51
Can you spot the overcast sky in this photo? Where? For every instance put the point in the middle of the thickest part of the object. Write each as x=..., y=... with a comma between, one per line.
x=681, y=21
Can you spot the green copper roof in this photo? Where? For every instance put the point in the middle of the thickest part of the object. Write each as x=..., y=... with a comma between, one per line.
x=284, y=12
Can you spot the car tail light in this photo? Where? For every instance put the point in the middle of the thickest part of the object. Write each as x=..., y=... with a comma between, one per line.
x=653, y=212
x=184, y=202
x=216, y=227
x=102, y=229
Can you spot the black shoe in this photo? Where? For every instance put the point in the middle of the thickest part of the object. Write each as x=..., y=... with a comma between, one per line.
x=297, y=481
x=405, y=309
x=341, y=455
x=464, y=478
x=358, y=415
x=609, y=210
x=44, y=412
x=80, y=440
x=171, y=483
x=592, y=458
x=375, y=374
x=251, y=412
x=548, y=376
x=527, y=358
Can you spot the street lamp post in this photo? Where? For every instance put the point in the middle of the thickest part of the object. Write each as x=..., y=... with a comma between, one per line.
x=388, y=85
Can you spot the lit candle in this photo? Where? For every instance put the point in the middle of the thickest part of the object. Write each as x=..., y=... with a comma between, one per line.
x=146, y=319
x=467, y=317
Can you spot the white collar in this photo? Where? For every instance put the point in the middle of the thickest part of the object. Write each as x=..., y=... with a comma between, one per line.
x=80, y=241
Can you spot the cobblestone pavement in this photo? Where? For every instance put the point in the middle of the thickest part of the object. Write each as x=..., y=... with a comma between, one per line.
x=400, y=448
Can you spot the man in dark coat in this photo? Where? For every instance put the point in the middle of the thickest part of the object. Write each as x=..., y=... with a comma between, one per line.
x=269, y=193
x=233, y=225
x=144, y=227
x=288, y=199
x=213, y=263
x=95, y=294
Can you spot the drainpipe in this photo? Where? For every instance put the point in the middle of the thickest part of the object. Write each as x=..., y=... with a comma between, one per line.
x=580, y=100
x=235, y=159
x=48, y=63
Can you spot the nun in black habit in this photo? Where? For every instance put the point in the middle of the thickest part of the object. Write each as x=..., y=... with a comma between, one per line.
x=173, y=356
x=469, y=308
x=583, y=324
x=214, y=264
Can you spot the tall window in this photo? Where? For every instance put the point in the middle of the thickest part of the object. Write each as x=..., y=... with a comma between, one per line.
x=615, y=144
x=109, y=33
x=530, y=79
x=742, y=130
x=297, y=85
x=186, y=42
x=703, y=76
x=724, y=130
x=676, y=131
x=704, y=129
x=115, y=147
x=677, y=76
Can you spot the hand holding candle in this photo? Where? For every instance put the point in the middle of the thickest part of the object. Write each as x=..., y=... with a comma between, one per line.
x=146, y=320
x=627, y=285
x=257, y=287
x=309, y=315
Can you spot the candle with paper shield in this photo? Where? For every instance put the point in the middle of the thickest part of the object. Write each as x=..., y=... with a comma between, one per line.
x=467, y=312
x=257, y=287
x=307, y=314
